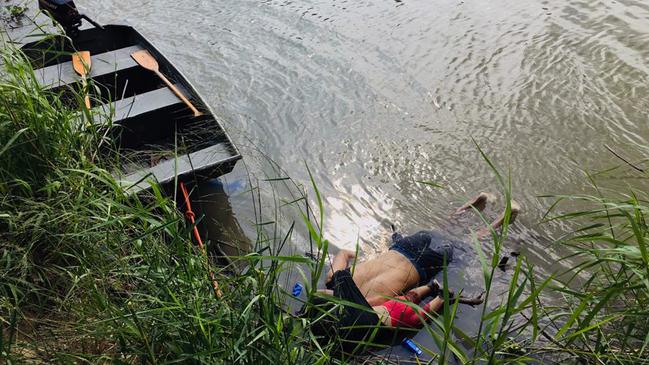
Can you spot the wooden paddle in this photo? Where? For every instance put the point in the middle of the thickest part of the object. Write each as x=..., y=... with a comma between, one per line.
x=146, y=60
x=82, y=64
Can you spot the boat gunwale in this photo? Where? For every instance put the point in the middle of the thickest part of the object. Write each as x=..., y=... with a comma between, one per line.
x=214, y=170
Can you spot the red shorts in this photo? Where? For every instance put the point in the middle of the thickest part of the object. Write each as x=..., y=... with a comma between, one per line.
x=403, y=315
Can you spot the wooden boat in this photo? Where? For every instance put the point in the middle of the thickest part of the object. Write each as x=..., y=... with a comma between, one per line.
x=156, y=135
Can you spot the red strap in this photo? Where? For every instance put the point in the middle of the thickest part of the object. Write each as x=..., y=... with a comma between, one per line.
x=191, y=217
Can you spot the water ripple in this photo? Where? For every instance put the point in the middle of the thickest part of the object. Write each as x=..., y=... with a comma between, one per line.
x=376, y=96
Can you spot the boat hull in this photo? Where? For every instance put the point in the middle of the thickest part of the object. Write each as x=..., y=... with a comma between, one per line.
x=157, y=136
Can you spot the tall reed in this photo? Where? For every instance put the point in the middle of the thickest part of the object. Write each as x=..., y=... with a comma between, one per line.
x=605, y=318
x=90, y=274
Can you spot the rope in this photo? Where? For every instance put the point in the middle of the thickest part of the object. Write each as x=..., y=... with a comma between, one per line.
x=191, y=217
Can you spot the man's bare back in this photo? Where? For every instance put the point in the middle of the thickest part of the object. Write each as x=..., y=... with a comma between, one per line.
x=411, y=261
x=388, y=275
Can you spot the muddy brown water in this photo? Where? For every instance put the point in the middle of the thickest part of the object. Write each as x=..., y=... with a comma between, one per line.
x=377, y=95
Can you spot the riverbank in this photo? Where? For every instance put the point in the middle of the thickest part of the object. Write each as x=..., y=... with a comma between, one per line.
x=90, y=274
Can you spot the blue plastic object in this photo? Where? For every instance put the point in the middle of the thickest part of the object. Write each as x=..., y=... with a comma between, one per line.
x=410, y=345
x=297, y=289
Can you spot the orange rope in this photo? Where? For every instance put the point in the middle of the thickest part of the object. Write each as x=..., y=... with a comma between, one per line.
x=191, y=217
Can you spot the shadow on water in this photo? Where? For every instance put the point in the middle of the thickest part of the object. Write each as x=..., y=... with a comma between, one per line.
x=219, y=224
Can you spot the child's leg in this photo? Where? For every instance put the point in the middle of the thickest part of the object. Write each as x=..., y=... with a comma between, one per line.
x=434, y=306
x=417, y=294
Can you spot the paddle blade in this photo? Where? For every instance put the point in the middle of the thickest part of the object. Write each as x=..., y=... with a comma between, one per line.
x=146, y=60
x=81, y=62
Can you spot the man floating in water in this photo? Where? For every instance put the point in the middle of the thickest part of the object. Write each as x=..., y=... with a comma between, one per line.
x=412, y=261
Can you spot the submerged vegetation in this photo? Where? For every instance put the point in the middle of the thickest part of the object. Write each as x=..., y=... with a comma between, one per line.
x=12, y=13
x=91, y=274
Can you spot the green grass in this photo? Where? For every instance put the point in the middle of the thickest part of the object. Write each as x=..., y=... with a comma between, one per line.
x=13, y=13
x=92, y=275
x=605, y=319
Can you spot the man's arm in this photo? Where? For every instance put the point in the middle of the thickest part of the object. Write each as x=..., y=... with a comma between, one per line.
x=340, y=262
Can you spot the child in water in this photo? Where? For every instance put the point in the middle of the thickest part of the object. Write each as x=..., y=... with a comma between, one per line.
x=398, y=312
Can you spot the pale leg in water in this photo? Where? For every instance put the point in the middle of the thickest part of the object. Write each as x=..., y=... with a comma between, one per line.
x=454, y=224
x=515, y=209
x=479, y=202
x=454, y=221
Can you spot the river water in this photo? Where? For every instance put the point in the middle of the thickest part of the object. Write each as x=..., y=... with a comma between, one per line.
x=376, y=95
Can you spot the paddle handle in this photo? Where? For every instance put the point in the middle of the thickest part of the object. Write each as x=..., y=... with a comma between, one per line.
x=179, y=94
x=86, y=98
